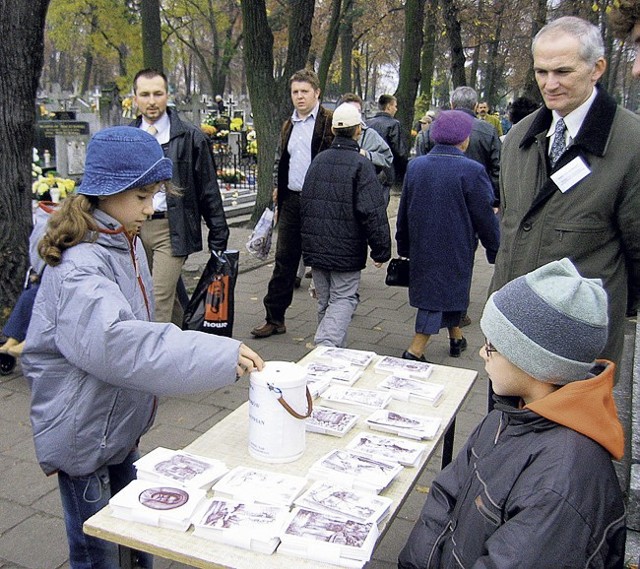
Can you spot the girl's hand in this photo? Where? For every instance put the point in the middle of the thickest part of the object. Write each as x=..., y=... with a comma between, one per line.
x=248, y=361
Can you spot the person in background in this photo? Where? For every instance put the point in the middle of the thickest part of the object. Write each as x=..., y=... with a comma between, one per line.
x=174, y=230
x=534, y=485
x=389, y=128
x=372, y=145
x=95, y=361
x=570, y=179
x=483, y=113
x=423, y=133
x=625, y=22
x=302, y=137
x=446, y=201
x=343, y=212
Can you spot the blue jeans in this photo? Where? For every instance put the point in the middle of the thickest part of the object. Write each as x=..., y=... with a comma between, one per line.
x=83, y=496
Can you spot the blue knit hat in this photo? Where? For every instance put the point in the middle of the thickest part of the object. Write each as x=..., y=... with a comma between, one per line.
x=121, y=158
x=451, y=127
x=551, y=323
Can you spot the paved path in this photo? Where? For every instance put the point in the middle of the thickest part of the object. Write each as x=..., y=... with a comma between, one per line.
x=31, y=527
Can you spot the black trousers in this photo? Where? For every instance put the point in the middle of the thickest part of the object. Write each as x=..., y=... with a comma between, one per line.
x=288, y=251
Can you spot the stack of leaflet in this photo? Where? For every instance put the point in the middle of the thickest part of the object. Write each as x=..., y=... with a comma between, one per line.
x=328, y=538
x=369, y=398
x=404, y=424
x=241, y=524
x=401, y=451
x=406, y=368
x=253, y=485
x=359, y=358
x=410, y=389
x=329, y=421
x=157, y=504
x=333, y=499
x=355, y=471
x=317, y=386
x=340, y=373
x=179, y=467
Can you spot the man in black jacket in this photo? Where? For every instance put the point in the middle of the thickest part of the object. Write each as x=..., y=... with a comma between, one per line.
x=389, y=128
x=306, y=133
x=174, y=230
x=342, y=210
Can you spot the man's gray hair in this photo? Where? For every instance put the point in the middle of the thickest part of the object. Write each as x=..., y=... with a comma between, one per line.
x=591, y=44
x=464, y=98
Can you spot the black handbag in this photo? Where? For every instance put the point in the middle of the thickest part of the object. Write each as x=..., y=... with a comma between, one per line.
x=397, y=273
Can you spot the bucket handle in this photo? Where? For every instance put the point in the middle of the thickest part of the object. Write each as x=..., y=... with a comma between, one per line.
x=288, y=407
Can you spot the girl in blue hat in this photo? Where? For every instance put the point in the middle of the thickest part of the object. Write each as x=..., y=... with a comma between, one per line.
x=95, y=360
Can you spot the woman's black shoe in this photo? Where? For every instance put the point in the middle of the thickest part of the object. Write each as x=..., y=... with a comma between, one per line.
x=456, y=347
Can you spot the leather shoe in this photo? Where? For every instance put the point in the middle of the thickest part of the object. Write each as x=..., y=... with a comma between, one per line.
x=297, y=282
x=407, y=355
x=268, y=329
x=456, y=347
x=465, y=321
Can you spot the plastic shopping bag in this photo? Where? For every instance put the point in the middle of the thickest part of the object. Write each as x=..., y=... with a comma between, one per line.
x=211, y=307
x=259, y=243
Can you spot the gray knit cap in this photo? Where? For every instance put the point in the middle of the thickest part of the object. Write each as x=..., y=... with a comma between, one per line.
x=551, y=323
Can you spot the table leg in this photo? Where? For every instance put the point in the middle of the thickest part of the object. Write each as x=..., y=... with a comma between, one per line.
x=127, y=556
x=447, y=444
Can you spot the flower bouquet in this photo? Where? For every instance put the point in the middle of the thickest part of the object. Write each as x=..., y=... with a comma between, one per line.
x=50, y=187
x=231, y=175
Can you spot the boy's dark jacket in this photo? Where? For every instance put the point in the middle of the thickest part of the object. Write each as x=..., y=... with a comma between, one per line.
x=532, y=488
x=343, y=210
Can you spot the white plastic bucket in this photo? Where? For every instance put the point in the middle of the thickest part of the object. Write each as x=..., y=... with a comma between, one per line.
x=278, y=405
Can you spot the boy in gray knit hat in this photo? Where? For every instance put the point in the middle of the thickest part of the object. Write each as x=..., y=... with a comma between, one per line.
x=534, y=486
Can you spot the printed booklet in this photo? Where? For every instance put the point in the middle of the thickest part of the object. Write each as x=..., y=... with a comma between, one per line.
x=241, y=524
x=410, y=368
x=328, y=421
x=179, y=467
x=317, y=385
x=410, y=389
x=254, y=485
x=329, y=539
x=395, y=449
x=404, y=424
x=359, y=358
x=356, y=471
x=340, y=373
x=355, y=396
x=333, y=499
x=157, y=504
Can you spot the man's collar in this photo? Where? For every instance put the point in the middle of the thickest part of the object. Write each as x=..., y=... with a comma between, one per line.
x=573, y=121
x=313, y=114
x=161, y=124
x=595, y=129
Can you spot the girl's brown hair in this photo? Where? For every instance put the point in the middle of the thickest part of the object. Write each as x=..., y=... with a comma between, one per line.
x=70, y=224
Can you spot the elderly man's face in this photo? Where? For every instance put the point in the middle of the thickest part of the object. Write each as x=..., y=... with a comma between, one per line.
x=483, y=109
x=635, y=38
x=565, y=80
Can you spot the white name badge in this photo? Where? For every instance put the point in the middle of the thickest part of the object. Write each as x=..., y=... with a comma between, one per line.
x=568, y=176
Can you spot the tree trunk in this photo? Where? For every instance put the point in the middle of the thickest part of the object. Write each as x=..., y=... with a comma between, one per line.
x=410, y=65
x=346, y=48
x=530, y=88
x=428, y=50
x=452, y=23
x=270, y=98
x=330, y=44
x=21, y=58
x=493, y=66
x=151, y=35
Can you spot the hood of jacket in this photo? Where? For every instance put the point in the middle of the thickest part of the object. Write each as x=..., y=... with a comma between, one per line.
x=588, y=408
